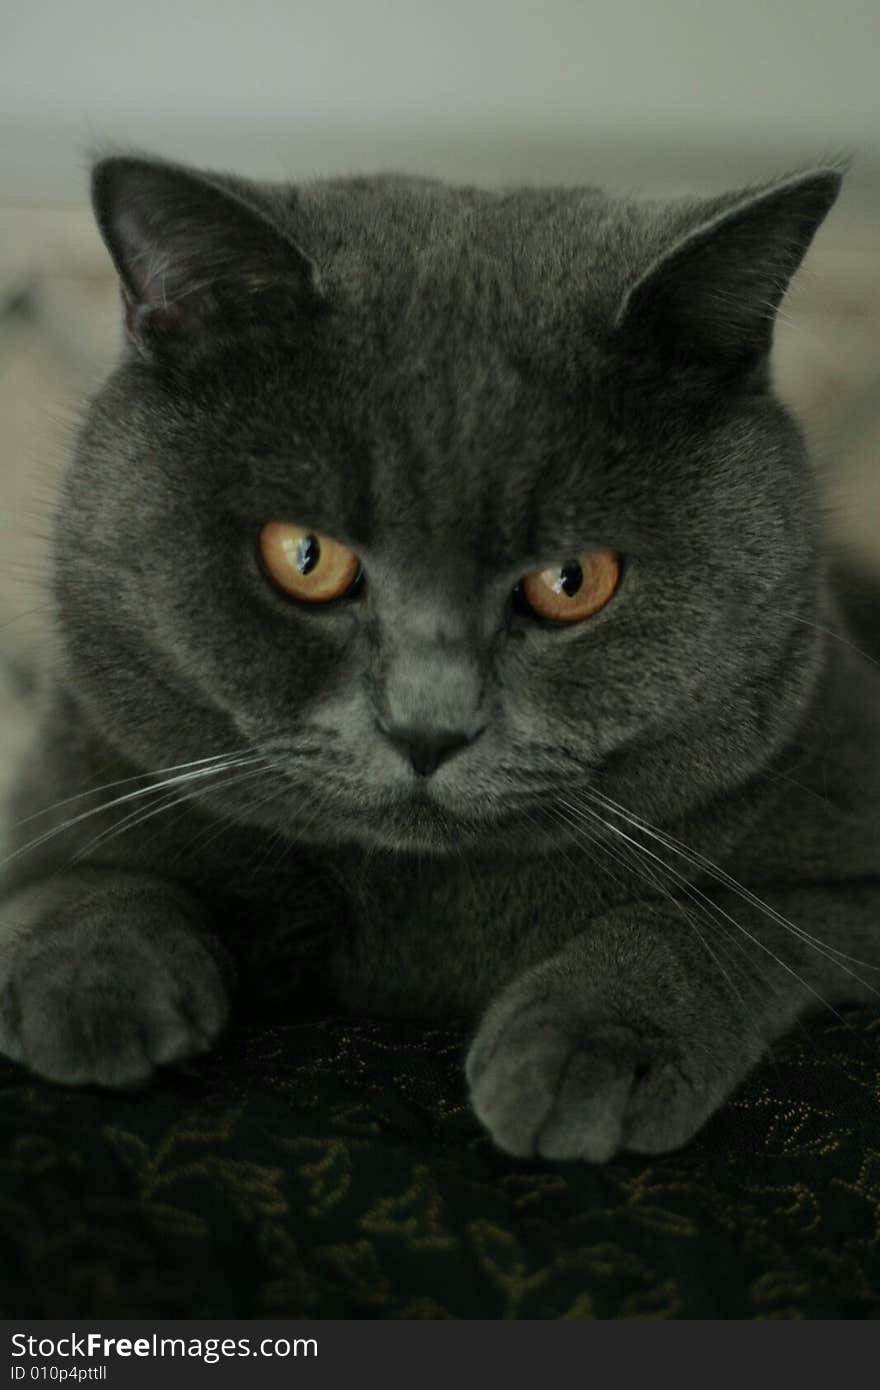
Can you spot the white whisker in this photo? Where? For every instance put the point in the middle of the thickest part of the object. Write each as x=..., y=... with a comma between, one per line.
x=646, y=873
x=123, y=781
x=198, y=774
x=715, y=871
x=138, y=817
x=716, y=908
x=829, y=632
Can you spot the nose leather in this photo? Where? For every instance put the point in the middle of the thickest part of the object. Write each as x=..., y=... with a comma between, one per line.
x=427, y=749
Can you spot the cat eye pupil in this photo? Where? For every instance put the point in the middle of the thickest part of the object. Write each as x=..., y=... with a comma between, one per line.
x=307, y=565
x=571, y=577
x=308, y=553
x=571, y=590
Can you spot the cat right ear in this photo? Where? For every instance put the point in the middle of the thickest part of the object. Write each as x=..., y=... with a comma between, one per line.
x=711, y=297
x=191, y=252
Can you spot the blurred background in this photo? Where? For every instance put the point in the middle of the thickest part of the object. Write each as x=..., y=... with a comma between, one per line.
x=671, y=97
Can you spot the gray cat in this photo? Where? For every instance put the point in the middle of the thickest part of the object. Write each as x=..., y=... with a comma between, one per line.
x=443, y=623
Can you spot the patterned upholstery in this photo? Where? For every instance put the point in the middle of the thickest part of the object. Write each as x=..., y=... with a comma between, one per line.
x=332, y=1169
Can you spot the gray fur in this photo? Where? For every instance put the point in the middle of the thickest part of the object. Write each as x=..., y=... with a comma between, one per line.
x=657, y=842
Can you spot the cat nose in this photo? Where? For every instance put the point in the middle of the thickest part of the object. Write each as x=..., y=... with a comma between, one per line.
x=426, y=749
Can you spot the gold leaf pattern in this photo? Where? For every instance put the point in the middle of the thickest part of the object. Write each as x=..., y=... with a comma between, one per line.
x=332, y=1168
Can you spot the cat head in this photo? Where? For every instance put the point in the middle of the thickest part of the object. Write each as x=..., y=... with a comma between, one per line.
x=447, y=501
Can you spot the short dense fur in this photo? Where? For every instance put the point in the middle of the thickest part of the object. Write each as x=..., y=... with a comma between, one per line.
x=658, y=843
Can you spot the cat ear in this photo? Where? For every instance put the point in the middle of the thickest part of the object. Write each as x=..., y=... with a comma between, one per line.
x=713, y=295
x=188, y=249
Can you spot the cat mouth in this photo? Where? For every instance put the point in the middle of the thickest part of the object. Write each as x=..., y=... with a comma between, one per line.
x=422, y=821
x=421, y=815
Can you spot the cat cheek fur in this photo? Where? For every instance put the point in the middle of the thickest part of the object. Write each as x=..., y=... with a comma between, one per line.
x=619, y=849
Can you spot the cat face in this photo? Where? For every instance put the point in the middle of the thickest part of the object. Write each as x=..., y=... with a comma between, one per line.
x=442, y=501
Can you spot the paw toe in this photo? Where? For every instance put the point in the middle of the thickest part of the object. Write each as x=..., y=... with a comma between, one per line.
x=515, y=1089
x=587, y=1117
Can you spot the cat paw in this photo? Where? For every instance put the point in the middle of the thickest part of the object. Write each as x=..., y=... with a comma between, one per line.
x=106, y=1002
x=547, y=1083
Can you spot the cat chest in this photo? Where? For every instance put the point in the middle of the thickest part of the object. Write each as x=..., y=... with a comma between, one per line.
x=442, y=943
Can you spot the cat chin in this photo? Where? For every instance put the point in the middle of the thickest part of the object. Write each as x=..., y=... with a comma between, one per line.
x=422, y=828
x=397, y=830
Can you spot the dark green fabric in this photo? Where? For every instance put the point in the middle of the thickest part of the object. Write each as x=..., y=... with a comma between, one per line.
x=333, y=1169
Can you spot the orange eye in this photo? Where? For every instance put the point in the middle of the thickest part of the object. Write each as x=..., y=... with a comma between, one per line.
x=573, y=590
x=307, y=564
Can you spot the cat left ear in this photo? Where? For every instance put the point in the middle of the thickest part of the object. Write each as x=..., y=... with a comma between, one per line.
x=189, y=249
x=713, y=295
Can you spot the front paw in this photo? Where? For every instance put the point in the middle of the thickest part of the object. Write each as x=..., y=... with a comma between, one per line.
x=549, y=1081
x=110, y=991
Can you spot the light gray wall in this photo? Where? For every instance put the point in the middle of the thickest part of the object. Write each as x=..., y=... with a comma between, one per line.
x=477, y=85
